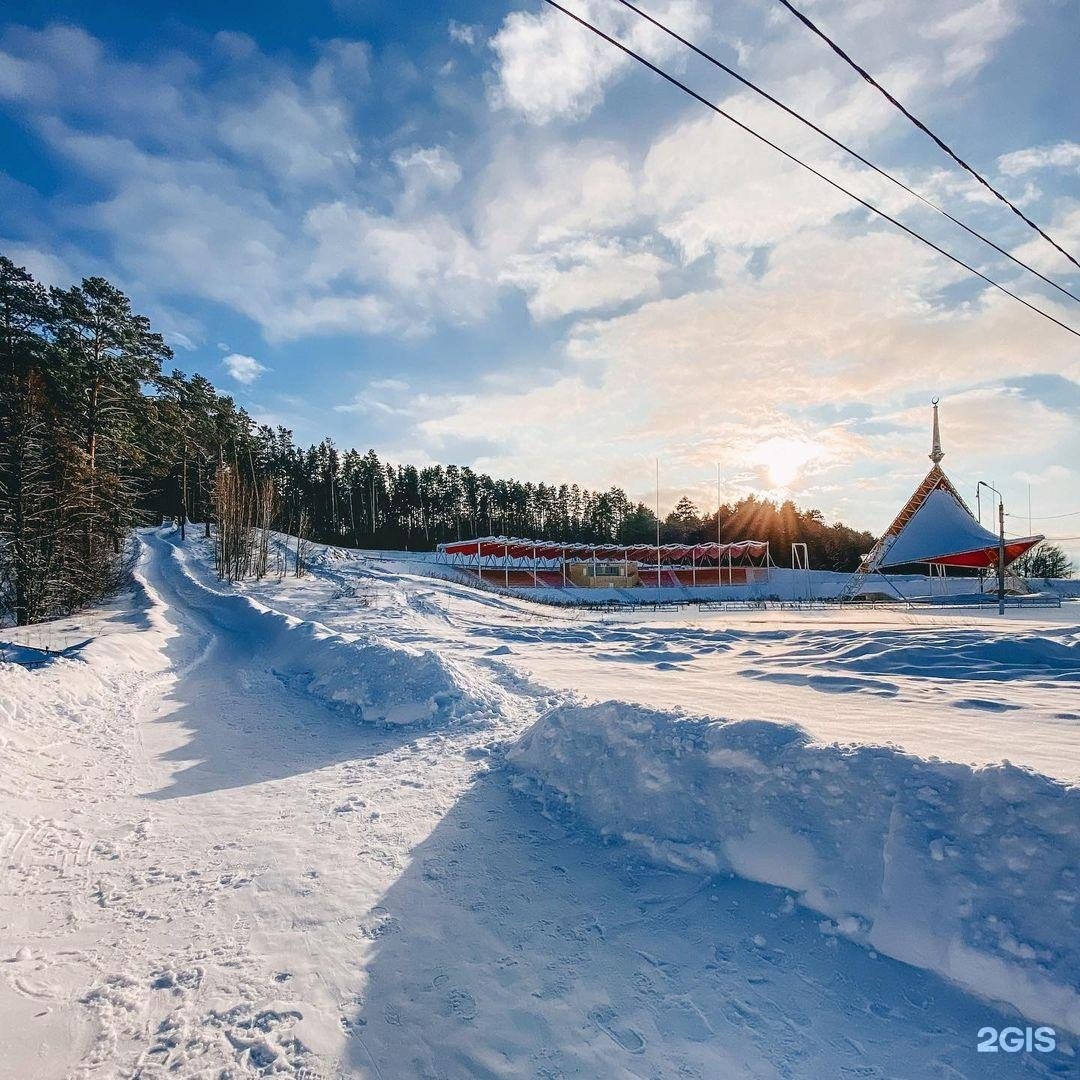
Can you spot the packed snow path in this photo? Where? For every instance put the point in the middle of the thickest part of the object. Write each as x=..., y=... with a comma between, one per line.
x=210, y=871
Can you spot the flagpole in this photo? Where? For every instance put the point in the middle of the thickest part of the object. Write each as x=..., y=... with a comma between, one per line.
x=718, y=524
x=658, y=523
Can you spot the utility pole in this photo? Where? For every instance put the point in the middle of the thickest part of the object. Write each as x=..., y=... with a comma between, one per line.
x=719, y=533
x=1001, y=556
x=1001, y=543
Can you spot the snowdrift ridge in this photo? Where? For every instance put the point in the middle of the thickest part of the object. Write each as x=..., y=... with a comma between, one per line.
x=384, y=681
x=973, y=873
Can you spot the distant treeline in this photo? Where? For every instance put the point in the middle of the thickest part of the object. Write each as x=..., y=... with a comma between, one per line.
x=98, y=434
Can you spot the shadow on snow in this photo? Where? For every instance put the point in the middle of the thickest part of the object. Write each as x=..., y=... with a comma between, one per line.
x=517, y=946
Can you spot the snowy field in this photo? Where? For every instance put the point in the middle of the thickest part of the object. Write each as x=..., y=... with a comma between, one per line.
x=371, y=824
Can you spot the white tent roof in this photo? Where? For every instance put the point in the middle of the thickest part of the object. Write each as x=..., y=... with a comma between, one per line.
x=935, y=526
x=941, y=526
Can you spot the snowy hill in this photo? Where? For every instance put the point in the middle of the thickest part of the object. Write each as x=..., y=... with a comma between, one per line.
x=366, y=823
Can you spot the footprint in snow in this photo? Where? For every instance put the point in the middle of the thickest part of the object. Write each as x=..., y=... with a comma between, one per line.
x=460, y=1004
x=606, y=1019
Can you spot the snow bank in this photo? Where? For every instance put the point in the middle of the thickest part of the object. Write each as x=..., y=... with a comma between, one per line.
x=973, y=873
x=1052, y=655
x=384, y=681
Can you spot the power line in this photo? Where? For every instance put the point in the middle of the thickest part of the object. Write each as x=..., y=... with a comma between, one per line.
x=810, y=168
x=1048, y=517
x=922, y=127
x=841, y=145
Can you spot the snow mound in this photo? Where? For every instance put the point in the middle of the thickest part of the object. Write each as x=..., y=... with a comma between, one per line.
x=973, y=873
x=384, y=681
x=947, y=654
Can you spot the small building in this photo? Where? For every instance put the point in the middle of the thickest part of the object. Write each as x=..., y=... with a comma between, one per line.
x=620, y=574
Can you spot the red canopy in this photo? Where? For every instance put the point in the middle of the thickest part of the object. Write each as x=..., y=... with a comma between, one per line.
x=984, y=558
x=517, y=548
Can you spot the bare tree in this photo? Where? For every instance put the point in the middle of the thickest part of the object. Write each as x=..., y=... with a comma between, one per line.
x=245, y=511
x=303, y=544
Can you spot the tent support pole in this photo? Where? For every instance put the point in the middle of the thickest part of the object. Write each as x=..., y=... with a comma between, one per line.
x=888, y=581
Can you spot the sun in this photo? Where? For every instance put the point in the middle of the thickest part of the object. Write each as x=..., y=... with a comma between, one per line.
x=784, y=458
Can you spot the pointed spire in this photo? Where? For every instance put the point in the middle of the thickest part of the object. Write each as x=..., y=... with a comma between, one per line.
x=936, y=453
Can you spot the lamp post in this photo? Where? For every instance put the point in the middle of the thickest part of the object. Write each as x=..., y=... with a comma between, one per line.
x=1001, y=542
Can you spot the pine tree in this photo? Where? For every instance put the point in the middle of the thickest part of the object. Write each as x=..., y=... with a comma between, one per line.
x=1044, y=561
x=106, y=353
x=28, y=480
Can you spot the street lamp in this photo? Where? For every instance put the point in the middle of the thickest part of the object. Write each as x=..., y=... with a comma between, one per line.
x=1001, y=542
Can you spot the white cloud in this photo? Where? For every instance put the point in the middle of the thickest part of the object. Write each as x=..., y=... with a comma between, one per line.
x=537, y=194
x=250, y=238
x=581, y=225
x=1064, y=227
x=179, y=340
x=550, y=67
x=584, y=276
x=575, y=226
x=705, y=376
x=343, y=71
x=372, y=400
x=293, y=138
x=970, y=34
x=425, y=266
x=1062, y=155
x=1053, y=474
x=462, y=33
x=426, y=171
x=42, y=265
x=244, y=369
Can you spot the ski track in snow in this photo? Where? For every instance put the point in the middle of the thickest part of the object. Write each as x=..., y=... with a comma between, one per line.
x=214, y=870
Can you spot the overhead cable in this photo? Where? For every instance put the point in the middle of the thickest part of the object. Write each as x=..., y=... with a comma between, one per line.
x=795, y=114
x=923, y=128
x=810, y=168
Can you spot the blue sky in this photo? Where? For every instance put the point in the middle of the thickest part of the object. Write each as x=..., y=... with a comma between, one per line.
x=471, y=233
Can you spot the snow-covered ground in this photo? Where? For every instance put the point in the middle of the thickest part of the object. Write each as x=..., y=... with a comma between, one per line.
x=370, y=824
